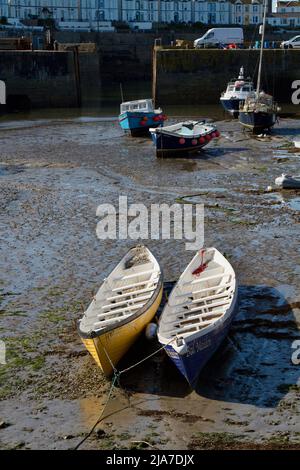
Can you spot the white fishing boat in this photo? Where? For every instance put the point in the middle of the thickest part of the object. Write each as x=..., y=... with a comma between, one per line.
x=199, y=312
x=238, y=89
x=288, y=182
x=123, y=306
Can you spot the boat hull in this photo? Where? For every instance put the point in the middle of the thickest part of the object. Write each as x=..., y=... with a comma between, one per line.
x=138, y=123
x=201, y=349
x=232, y=106
x=257, y=121
x=170, y=146
x=116, y=342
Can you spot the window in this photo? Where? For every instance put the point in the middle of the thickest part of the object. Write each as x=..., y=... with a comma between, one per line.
x=99, y=15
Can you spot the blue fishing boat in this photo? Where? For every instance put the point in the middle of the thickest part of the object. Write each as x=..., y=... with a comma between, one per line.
x=199, y=312
x=259, y=111
x=236, y=92
x=182, y=138
x=136, y=117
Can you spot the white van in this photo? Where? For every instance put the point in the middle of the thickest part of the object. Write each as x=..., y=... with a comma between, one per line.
x=217, y=36
x=293, y=43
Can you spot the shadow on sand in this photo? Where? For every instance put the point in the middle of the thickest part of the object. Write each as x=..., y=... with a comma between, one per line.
x=252, y=366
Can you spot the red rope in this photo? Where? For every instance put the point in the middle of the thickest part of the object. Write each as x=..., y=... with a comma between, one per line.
x=202, y=266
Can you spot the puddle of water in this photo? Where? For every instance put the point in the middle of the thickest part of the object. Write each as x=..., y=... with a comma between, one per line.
x=294, y=203
x=6, y=170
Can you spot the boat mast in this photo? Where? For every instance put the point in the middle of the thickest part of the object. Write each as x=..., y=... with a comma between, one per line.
x=261, y=48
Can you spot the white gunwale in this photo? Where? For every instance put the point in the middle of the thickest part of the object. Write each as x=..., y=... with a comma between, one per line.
x=96, y=321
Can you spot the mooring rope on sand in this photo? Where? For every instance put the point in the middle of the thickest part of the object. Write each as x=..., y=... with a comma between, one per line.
x=116, y=379
x=101, y=415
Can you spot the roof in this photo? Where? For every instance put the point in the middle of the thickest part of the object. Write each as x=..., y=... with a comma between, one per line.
x=288, y=4
x=246, y=2
x=285, y=15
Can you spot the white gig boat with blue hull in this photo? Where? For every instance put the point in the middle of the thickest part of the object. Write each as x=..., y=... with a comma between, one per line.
x=183, y=138
x=136, y=117
x=236, y=92
x=199, y=312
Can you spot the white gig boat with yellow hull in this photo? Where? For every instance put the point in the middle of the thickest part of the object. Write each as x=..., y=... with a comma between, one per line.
x=123, y=306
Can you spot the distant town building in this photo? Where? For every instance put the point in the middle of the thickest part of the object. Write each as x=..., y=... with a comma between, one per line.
x=246, y=12
x=146, y=12
x=285, y=14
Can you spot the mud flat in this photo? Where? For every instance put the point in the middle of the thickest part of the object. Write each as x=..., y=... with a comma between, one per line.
x=53, y=175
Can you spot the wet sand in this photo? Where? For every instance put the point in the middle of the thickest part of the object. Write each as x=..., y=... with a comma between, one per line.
x=53, y=175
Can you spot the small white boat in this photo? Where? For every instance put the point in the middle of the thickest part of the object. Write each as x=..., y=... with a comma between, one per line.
x=199, y=312
x=288, y=182
x=297, y=143
x=123, y=306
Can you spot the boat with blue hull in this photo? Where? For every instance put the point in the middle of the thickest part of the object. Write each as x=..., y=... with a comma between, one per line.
x=238, y=89
x=136, y=117
x=199, y=313
x=182, y=138
x=259, y=110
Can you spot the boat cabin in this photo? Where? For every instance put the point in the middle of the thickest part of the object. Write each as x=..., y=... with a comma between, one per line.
x=239, y=86
x=262, y=101
x=144, y=106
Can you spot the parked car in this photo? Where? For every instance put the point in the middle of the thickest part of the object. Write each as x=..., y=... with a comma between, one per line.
x=293, y=43
x=221, y=36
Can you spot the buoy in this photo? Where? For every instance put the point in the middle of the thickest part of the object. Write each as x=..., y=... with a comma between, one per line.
x=142, y=123
x=217, y=133
x=201, y=140
x=150, y=331
x=164, y=117
x=145, y=118
x=208, y=137
x=194, y=142
x=160, y=117
x=155, y=119
x=182, y=141
x=213, y=135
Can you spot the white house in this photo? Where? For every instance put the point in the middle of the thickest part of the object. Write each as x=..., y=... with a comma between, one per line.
x=287, y=7
x=3, y=8
x=246, y=12
x=93, y=12
x=286, y=14
x=212, y=12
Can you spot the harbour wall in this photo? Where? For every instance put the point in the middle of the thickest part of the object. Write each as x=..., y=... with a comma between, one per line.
x=127, y=55
x=50, y=78
x=189, y=76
